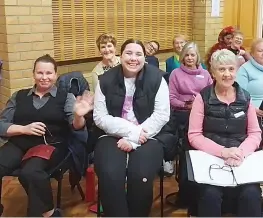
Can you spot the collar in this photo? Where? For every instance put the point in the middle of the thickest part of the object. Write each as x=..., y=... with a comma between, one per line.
x=240, y=95
x=197, y=71
x=52, y=91
x=256, y=64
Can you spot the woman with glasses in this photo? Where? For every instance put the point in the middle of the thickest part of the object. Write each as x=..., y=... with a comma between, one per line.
x=224, y=41
x=36, y=123
x=151, y=49
x=223, y=123
x=106, y=44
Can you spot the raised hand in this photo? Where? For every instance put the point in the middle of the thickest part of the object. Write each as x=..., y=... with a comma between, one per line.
x=84, y=104
x=36, y=128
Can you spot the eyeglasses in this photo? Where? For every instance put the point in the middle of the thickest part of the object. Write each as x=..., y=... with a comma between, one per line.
x=224, y=168
x=152, y=48
x=45, y=140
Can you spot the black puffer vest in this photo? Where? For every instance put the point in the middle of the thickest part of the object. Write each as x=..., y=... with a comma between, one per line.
x=147, y=85
x=225, y=124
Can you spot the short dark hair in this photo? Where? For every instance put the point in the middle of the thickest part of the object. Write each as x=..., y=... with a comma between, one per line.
x=46, y=59
x=157, y=43
x=128, y=41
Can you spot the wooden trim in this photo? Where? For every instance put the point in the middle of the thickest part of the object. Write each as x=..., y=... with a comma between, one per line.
x=87, y=60
x=77, y=24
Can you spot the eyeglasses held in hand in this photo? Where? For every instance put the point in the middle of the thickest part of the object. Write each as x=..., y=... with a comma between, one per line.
x=45, y=140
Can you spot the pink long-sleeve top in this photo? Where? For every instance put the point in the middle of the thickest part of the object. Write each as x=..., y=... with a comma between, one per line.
x=200, y=142
x=185, y=84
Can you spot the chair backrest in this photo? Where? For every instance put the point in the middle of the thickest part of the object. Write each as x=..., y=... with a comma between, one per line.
x=73, y=82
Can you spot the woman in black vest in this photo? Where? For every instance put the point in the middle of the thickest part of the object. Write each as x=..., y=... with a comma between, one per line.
x=131, y=106
x=36, y=123
x=223, y=123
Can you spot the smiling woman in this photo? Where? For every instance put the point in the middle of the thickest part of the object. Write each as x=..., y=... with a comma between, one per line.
x=131, y=107
x=31, y=119
x=106, y=44
x=223, y=123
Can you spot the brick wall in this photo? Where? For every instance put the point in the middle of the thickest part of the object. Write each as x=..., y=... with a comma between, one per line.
x=27, y=33
x=205, y=27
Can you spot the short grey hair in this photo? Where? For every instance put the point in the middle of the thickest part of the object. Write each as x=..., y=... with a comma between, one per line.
x=186, y=48
x=222, y=57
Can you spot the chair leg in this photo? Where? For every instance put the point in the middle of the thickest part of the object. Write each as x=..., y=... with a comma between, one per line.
x=81, y=191
x=1, y=182
x=98, y=202
x=161, y=189
x=59, y=192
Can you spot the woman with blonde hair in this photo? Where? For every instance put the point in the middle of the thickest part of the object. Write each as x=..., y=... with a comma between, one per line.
x=178, y=44
x=250, y=75
x=184, y=84
x=189, y=79
x=106, y=44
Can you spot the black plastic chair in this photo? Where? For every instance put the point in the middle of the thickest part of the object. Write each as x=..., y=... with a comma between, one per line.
x=56, y=173
x=161, y=175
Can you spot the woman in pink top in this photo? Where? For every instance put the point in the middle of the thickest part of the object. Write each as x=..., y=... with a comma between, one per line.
x=223, y=123
x=188, y=80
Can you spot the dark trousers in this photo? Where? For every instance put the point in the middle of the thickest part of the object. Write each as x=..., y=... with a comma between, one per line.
x=243, y=200
x=33, y=176
x=110, y=165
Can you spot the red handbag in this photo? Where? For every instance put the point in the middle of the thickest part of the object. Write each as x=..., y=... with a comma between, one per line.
x=43, y=151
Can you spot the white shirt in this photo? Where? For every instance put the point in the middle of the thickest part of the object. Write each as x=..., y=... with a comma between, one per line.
x=128, y=127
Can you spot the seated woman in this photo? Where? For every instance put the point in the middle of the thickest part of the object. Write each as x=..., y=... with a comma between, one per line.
x=223, y=123
x=224, y=40
x=132, y=115
x=237, y=49
x=187, y=81
x=184, y=84
x=173, y=62
x=106, y=44
x=38, y=116
x=249, y=75
x=151, y=48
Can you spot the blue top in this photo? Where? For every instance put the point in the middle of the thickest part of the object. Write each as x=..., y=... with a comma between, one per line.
x=250, y=78
x=152, y=60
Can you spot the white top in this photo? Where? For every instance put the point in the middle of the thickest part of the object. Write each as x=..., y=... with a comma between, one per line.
x=127, y=127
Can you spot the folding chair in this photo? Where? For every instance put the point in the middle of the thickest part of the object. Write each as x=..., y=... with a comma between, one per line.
x=56, y=173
